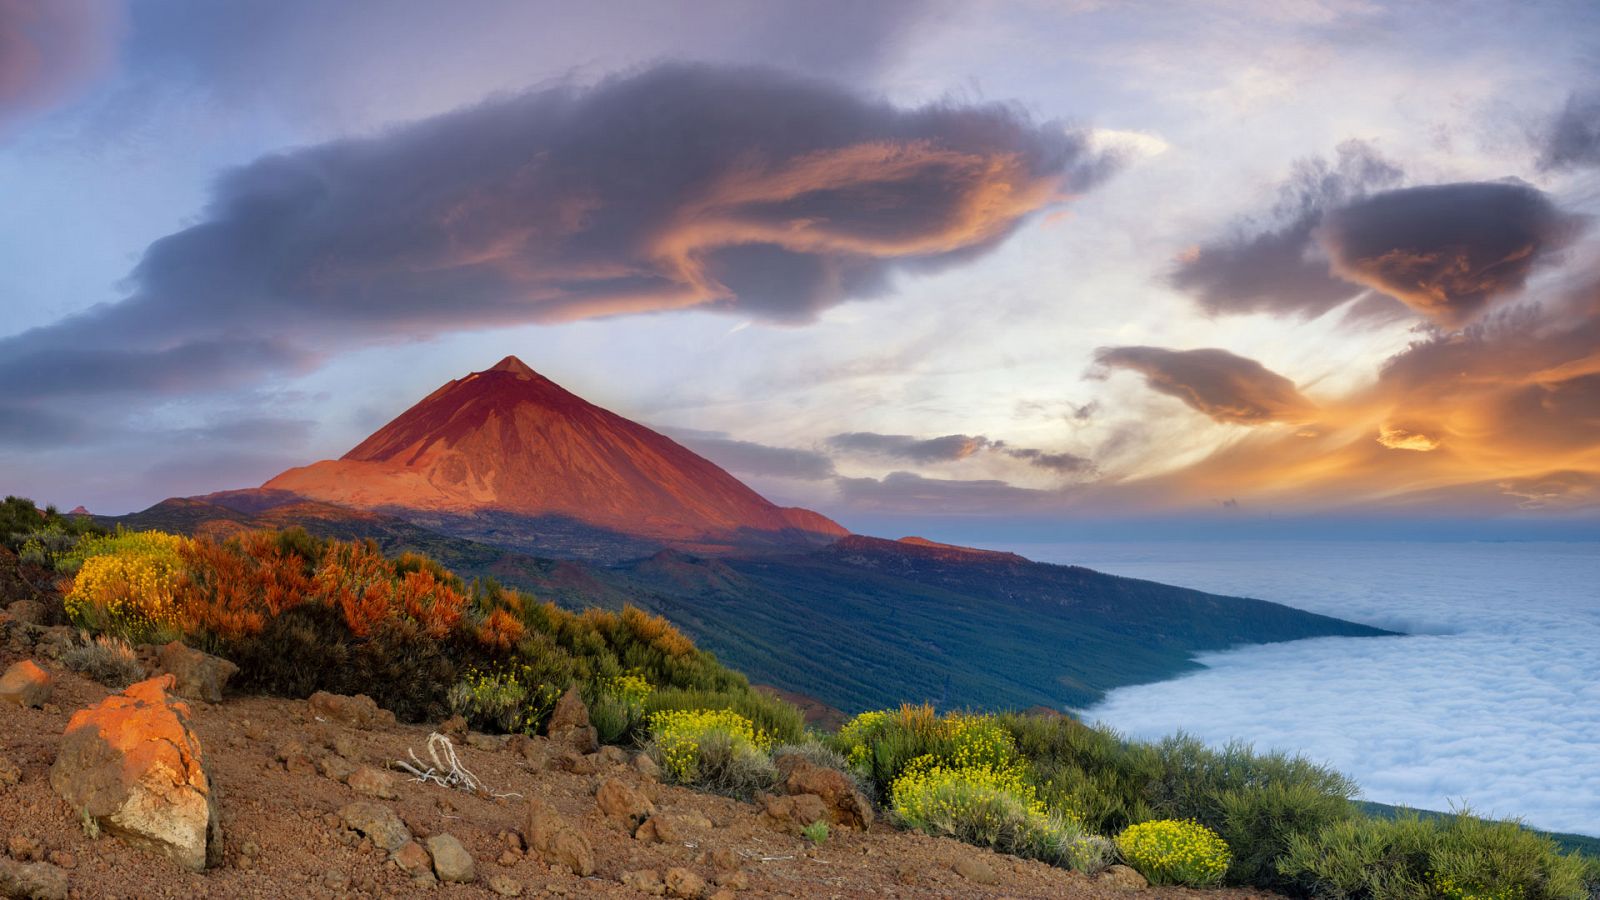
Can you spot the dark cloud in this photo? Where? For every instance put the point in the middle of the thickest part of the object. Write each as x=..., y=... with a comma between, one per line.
x=949, y=448
x=1224, y=386
x=1572, y=140
x=953, y=447
x=48, y=48
x=27, y=428
x=750, y=458
x=1275, y=265
x=1447, y=250
x=680, y=187
x=912, y=493
x=41, y=370
x=1064, y=463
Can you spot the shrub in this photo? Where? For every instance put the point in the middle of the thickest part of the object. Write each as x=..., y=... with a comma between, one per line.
x=1459, y=857
x=881, y=745
x=1257, y=802
x=618, y=710
x=816, y=833
x=506, y=699
x=1168, y=851
x=1102, y=777
x=994, y=808
x=713, y=749
x=108, y=660
x=778, y=720
x=128, y=585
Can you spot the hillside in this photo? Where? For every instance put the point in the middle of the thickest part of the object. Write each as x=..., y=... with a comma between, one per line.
x=864, y=622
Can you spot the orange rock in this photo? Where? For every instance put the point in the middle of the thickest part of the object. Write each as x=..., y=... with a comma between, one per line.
x=132, y=764
x=25, y=684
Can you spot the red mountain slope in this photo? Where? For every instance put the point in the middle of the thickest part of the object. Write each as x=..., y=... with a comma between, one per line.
x=511, y=440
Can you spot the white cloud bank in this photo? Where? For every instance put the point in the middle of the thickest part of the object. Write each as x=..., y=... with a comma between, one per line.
x=1493, y=700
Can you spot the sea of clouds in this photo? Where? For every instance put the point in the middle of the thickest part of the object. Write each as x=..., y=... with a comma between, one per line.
x=1492, y=699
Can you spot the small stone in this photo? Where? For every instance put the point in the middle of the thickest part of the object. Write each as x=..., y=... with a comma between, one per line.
x=196, y=675
x=255, y=731
x=346, y=747
x=373, y=783
x=27, y=612
x=451, y=861
x=723, y=859
x=1123, y=878
x=25, y=849
x=738, y=880
x=336, y=767
x=493, y=743
x=40, y=881
x=412, y=859
x=377, y=822
x=645, y=881
x=906, y=873
x=25, y=684
x=556, y=841
x=250, y=848
x=505, y=885
x=62, y=858
x=684, y=883
x=335, y=880
x=299, y=766
x=975, y=870
x=618, y=799
x=646, y=766
x=509, y=858
x=359, y=711
x=10, y=773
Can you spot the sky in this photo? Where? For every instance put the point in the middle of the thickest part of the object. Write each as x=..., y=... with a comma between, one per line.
x=1004, y=269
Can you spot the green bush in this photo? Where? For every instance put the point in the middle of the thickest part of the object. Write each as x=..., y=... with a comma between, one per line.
x=1102, y=777
x=508, y=698
x=618, y=709
x=816, y=833
x=1257, y=802
x=1169, y=851
x=1459, y=857
x=108, y=660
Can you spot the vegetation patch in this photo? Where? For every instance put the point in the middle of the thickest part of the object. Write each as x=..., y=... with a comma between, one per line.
x=1168, y=851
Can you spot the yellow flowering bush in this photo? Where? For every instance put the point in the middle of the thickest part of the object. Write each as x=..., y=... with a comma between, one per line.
x=682, y=736
x=128, y=584
x=630, y=689
x=1452, y=888
x=1170, y=851
x=855, y=738
x=993, y=807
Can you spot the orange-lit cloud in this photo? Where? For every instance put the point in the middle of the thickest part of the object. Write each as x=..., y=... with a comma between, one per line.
x=1446, y=250
x=1505, y=413
x=679, y=187
x=48, y=48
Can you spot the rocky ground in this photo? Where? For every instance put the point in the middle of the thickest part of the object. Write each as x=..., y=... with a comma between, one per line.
x=310, y=807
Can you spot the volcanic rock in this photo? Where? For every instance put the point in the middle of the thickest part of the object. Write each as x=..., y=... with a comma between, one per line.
x=25, y=684
x=132, y=764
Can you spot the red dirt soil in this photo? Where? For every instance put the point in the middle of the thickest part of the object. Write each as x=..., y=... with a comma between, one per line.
x=283, y=839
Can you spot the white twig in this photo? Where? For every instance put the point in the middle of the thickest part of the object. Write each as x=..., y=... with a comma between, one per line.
x=447, y=770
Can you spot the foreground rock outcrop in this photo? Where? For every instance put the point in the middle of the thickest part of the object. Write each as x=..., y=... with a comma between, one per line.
x=132, y=765
x=25, y=684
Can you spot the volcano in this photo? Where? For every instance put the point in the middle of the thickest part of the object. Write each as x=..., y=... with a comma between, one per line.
x=508, y=441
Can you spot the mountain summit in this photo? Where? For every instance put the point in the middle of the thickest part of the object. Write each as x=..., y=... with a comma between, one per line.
x=509, y=440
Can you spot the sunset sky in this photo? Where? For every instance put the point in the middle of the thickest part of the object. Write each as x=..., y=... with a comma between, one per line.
x=1060, y=267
